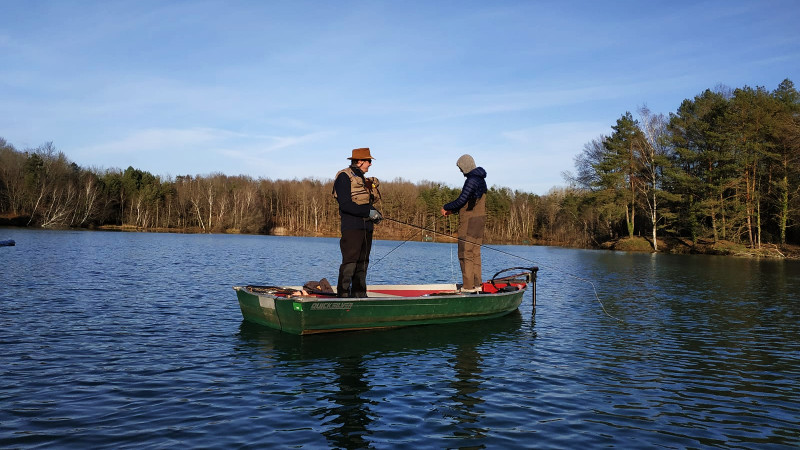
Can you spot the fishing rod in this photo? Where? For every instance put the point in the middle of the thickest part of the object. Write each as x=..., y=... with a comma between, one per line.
x=458, y=238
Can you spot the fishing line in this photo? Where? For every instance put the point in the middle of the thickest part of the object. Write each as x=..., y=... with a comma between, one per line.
x=398, y=246
x=452, y=267
x=594, y=289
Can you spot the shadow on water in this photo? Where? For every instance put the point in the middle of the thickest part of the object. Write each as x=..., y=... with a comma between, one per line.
x=350, y=410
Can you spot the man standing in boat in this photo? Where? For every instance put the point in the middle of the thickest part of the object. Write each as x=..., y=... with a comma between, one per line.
x=471, y=208
x=356, y=195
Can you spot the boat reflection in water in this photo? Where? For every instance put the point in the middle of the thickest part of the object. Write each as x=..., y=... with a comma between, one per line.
x=365, y=387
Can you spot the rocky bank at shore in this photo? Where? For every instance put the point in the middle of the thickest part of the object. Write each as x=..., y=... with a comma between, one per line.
x=675, y=245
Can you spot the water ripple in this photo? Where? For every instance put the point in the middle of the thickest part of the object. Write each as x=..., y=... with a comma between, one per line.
x=116, y=340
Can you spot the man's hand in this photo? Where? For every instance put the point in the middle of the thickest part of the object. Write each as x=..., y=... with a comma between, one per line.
x=375, y=216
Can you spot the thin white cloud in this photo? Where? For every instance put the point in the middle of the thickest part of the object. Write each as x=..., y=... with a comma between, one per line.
x=259, y=151
x=226, y=142
x=159, y=139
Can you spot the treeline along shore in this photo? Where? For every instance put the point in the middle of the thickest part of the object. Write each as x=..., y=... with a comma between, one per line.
x=719, y=175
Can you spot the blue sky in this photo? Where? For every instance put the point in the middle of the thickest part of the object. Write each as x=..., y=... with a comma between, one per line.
x=285, y=89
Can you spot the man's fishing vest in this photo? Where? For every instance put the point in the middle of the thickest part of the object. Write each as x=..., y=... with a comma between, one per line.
x=363, y=190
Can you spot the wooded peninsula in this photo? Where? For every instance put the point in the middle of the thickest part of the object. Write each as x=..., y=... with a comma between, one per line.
x=719, y=175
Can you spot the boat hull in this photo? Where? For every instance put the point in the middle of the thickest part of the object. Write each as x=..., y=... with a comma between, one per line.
x=309, y=315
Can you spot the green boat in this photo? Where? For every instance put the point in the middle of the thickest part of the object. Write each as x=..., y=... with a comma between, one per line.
x=295, y=310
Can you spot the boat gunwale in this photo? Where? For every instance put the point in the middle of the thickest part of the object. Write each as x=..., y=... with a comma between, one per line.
x=438, y=294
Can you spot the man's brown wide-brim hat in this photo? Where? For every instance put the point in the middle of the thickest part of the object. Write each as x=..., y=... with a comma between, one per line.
x=361, y=153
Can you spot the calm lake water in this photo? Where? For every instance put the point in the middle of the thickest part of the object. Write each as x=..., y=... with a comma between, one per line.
x=135, y=340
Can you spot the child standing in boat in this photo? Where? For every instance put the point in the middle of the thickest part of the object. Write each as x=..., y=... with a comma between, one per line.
x=471, y=208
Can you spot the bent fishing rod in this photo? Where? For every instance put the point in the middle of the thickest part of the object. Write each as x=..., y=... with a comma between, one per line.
x=458, y=238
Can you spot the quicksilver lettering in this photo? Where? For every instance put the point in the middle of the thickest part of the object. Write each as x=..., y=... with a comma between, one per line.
x=332, y=305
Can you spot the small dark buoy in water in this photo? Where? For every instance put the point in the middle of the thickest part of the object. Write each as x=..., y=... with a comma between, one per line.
x=7, y=243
